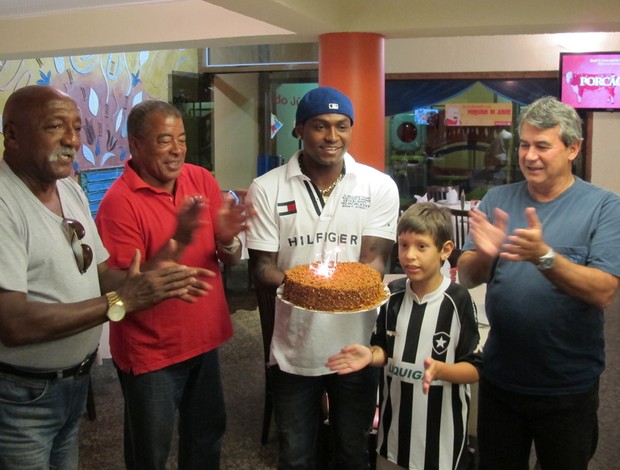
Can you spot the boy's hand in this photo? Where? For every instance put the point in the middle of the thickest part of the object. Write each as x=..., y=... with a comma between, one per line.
x=431, y=371
x=351, y=358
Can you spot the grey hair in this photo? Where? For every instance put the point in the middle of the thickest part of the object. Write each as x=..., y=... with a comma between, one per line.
x=138, y=119
x=547, y=113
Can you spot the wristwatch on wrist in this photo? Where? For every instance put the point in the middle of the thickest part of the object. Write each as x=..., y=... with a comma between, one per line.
x=546, y=261
x=116, y=309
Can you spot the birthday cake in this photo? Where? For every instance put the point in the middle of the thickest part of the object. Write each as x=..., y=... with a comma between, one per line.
x=333, y=287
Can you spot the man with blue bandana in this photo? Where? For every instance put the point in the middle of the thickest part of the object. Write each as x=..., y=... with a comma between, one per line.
x=321, y=205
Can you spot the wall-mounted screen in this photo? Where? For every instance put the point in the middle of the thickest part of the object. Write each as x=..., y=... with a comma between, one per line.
x=589, y=81
x=425, y=116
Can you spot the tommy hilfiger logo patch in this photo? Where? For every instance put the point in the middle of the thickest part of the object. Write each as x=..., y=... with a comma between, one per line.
x=287, y=208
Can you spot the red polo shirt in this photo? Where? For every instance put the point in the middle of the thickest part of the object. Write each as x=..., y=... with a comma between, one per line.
x=134, y=215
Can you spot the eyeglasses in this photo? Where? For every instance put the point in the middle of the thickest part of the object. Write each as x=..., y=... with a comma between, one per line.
x=82, y=252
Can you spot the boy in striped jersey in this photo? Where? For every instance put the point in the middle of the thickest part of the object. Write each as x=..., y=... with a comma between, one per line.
x=426, y=337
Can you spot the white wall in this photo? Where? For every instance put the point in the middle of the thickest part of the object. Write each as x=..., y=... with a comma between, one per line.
x=236, y=131
x=516, y=54
x=606, y=150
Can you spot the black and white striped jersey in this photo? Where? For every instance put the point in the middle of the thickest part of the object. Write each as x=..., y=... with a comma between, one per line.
x=419, y=431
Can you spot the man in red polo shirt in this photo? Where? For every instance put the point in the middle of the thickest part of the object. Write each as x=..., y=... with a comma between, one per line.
x=167, y=356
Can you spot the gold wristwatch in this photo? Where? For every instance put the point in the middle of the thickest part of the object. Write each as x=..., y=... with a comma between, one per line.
x=116, y=309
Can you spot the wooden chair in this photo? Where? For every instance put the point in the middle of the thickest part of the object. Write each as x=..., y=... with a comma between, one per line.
x=460, y=219
x=394, y=266
x=266, y=300
x=437, y=193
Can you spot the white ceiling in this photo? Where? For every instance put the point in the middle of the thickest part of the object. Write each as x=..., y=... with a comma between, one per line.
x=433, y=18
x=29, y=8
x=40, y=28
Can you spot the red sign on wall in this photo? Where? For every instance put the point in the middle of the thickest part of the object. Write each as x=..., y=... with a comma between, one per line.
x=478, y=114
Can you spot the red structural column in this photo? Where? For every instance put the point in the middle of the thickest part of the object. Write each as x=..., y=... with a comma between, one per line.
x=354, y=64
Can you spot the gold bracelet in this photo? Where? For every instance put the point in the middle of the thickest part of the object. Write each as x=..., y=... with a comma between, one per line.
x=232, y=247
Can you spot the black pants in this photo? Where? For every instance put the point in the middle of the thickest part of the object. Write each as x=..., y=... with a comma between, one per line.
x=563, y=428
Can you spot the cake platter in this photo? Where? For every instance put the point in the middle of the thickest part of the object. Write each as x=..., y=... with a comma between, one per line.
x=280, y=295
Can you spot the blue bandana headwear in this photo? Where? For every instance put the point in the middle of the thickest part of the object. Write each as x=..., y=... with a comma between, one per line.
x=322, y=100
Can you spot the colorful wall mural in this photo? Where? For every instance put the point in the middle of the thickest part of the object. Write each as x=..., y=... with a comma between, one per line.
x=105, y=87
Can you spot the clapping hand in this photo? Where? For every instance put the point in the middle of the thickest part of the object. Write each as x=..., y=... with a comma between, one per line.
x=488, y=236
x=526, y=244
x=143, y=289
x=232, y=218
x=188, y=219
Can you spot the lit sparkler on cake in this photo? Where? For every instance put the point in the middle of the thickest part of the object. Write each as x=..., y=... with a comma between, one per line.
x=329, y=286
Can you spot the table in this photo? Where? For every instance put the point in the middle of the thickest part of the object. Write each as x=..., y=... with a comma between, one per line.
x=469, y=205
